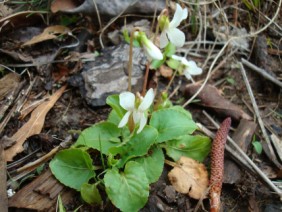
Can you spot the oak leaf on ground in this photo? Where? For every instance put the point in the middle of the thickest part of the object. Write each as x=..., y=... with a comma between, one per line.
x=190, y=177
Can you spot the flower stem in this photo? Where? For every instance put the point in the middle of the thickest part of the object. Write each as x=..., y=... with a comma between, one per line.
x=131, y=124
x=171, y=80
x=146, y=79
x=130, y=59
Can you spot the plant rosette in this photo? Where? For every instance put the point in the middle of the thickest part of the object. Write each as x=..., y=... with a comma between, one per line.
x=129, y=160
x=128, y=149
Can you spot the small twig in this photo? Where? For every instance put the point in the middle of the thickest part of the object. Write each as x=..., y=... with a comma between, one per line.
x=248, y=160
x=174, y=91
x=235, y=14
x=207, y=77
x=21, y=161
x=33, y=165
x=154, y=20
x=98, y=13
x=262, y=72
x=171, y=80
x=257, y=111
x=6, y=67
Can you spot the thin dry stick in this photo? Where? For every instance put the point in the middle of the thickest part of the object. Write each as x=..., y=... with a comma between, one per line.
x=245, y=157
x=171, y=80
x=130, y=59
x=98, y=13
x=226, y=44
x=256, y=110
x=262, y=72
x=235, y=14
x=205, y=25
x=33, y=165
x=9, y=69
x=155, y=15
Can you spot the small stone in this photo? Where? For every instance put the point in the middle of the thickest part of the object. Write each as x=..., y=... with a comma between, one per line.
x=108, y=74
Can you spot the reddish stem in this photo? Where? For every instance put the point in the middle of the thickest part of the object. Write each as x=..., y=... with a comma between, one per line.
x=217, y=164
x=146, y=79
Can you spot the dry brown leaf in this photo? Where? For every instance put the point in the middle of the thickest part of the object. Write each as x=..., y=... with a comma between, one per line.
x=33, y=126
x=29, y=106
x=49, y=33
x=166, y=71
x=62, y=5
x=189, y=177
x=5, y=10
x=8, y=83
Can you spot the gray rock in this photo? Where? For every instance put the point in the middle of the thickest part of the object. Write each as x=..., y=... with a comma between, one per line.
x=115, y=7
x=108, y=74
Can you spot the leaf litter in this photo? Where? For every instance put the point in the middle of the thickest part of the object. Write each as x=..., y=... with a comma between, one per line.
x=33, y=126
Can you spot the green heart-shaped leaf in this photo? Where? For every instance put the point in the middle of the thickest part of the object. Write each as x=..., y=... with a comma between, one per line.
x=138, y=145
x=128, y=190
x=90, y=194
x=172, y=123
x=196, y=147
x=72, y=167
x=153, y=164
x=101, y=136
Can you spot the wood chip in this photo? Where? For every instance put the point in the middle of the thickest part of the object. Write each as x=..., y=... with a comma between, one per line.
x=41, y=194
x=242, y=136
x=3, y=182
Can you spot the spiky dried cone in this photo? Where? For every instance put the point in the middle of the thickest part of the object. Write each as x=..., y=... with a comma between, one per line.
x=217, y=164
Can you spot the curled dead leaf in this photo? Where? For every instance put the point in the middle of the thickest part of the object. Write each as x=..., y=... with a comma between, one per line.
x=49, y=33
x=189, y=177
x=211, y=98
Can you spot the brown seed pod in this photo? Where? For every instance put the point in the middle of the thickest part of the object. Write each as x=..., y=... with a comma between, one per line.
x=217, y=164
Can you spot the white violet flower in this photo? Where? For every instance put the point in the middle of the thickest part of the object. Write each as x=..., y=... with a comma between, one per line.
x=169, y=30
x=152, y=51
x=128, y=102
x=190, y=67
